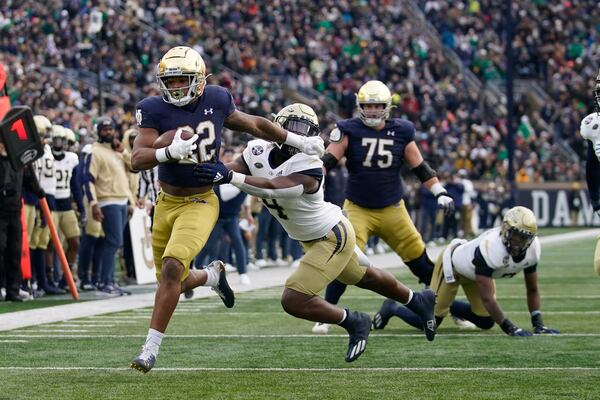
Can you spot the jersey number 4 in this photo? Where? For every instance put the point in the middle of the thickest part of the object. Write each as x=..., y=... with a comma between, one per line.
x=378, y=146
x=275, y=206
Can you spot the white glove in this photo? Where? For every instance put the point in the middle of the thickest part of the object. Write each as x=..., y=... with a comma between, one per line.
x=311, y=145
x=178, y=149
x=446, y=203
x=444, y=200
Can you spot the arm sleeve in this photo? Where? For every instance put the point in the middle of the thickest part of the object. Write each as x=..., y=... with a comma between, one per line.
x=481, y=266
x=76, y=190
x=592, y=175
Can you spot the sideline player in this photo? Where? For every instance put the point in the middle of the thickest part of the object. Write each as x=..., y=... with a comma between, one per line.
x=376, y=146
x=291, y=185
x=500, y=252
x=186, y=209
x=590, y=130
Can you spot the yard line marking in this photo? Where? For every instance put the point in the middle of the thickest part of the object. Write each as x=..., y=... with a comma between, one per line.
x=51, y=330
x=275, y=369
x=475, y=334
x=14, y=341
x=84, y=325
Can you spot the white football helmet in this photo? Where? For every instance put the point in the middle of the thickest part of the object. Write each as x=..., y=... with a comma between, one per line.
x=177, y=62
x=300, y=119
x=519, y=228
x=374, y=92
x=43, y=125
x=59, y=138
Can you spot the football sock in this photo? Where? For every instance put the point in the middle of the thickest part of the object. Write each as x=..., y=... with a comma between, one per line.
x=153, y=340
x=410, y=297
x=212, y=278
x=343, y=317
x=463, y=310
x=422, y=268
x=334, y=291
x=408, y=316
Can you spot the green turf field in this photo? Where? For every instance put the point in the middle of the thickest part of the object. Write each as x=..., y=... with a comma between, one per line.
x=256, y=351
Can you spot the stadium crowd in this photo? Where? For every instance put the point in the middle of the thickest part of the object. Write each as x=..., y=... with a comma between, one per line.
x=329, y=49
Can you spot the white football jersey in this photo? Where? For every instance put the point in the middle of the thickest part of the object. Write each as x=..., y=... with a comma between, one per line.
x=306, y=217
x=495, y=255
x=63, y=170
x=44, y=168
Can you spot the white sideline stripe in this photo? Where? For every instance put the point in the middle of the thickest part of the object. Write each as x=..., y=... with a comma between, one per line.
x=53, y=330
x=14, y=341
x=475, y=334
x=262, y=279
x=84, y=325
x=274, y=369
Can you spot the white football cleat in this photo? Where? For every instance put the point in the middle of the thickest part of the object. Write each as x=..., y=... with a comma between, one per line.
x=261, y=263
x=463, y=323
x=320, y=328
x=245, y=280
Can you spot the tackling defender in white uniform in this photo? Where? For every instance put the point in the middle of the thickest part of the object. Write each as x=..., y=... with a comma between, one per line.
x=590, y=130
x=500, y=252
x=291, y=184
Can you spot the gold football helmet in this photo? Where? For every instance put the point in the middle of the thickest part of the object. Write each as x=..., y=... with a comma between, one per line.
x=374, y=92
x=181, y=61
x=300, y=119
x=519, y=228
x=43, y=125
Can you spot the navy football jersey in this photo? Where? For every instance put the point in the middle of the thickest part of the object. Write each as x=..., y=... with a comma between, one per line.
x=374, y=159
x=204, y=116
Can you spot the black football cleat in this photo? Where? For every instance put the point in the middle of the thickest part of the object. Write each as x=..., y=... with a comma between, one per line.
x=423, y=304
x=222, y=288
x=144, y=361
x=382, y=317
x=358, y=325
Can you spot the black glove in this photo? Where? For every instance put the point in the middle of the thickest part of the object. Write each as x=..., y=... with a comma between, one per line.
x=512, y=330
x=212, y=173
x=539, y=328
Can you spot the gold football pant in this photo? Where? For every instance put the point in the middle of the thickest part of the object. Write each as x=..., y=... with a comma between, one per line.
x=182, y=225
x=328, y=258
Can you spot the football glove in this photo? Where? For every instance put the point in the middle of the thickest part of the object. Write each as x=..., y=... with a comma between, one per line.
x=178, y=149
x=512, y=330
x=311, y=145
x=212, y=173
x=539, y=328
x=445, y=202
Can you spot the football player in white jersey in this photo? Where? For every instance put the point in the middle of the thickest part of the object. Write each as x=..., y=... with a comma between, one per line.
x=291, y=185
x=500, y=252
x=590, y=130
x=65, y=169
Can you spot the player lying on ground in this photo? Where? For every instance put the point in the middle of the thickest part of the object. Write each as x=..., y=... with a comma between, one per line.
x=291, y=184
x=500, y=252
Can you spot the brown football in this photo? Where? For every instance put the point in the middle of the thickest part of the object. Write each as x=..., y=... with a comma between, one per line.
x=166, y=138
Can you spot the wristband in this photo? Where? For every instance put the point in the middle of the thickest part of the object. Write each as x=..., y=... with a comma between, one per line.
x=162, y=155
x=237, y=178
x=293, y=140
x=437, y=189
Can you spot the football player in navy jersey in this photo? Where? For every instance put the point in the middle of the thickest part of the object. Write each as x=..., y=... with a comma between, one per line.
x=187, y=208
x=375, y=148
x=590, y=130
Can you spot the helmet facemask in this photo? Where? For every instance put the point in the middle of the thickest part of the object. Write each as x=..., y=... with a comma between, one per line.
x=374, y=117
x=517, y=241
x=181, y=96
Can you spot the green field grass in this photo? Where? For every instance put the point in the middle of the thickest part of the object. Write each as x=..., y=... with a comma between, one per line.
x=256, y=351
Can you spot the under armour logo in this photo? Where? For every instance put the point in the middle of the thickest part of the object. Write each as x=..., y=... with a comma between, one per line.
x=391, y=133
x=208, y=111
x=218, y=177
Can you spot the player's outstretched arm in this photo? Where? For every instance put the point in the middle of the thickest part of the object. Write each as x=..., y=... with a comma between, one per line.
x=335, y=152
x=264, y=129
x=281, y=187
x=534, y=304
